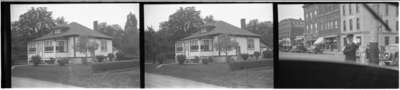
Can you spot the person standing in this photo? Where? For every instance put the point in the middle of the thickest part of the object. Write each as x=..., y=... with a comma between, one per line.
x=350, y=49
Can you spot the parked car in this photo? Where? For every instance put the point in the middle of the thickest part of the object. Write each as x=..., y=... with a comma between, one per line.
x=299, y=49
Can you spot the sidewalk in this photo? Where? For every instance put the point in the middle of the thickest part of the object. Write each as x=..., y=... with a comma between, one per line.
x=20, y=82
x=164, y=81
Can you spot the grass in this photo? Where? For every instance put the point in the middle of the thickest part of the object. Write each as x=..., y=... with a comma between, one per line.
x=81, y=75
x=218, y=74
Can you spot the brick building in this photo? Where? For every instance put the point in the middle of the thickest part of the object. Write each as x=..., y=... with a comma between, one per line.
x=291, y=31
x=322, y=21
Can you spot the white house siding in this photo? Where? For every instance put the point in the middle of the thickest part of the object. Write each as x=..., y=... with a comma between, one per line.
x=39, y=45
x=242, y=44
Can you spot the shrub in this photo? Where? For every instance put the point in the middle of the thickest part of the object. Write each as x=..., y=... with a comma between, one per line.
x=52, y=60
x=36, y=60
x=245, y=56
x=196, y=59
x=206, y=60
x=84, y=60
x=249, y=64
x=257, y=54
x=63, y=61
x=110, y=56
x=160, y=58
x=181, y=59
x=120, y=56
x=100, y=58
x=267, y=54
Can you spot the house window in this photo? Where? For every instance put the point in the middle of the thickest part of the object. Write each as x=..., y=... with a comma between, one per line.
x=206, y=45
x=387, y=40
x=48, y=46
x=397, y=40
x=344, y=26
x=358, y=24
x=250, y=44
x=351, y=25
x=336, y=24
x=60, y=46
x=179, y=46
x=103, y=45
x=31, y=48
x=194, y=46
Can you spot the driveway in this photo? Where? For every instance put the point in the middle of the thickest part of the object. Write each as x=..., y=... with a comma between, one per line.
x=163, y=81
x=19, y=82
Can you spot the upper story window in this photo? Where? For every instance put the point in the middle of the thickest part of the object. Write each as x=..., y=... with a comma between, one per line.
x=357, y=8
x=358, y=24
x=351, y=25
x=344, y=26
x=344, y=10
x=386, y=9
x=350, y=11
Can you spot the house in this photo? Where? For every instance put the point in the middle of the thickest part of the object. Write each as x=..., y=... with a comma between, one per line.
x=201, y=44
x=62, y=42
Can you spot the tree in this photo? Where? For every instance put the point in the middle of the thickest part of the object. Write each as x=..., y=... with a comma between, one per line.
x=32, y=24
x=86, y=45
x=262, y=28
x=60, y=20
x=130, y=44
x=150, y=41
x=225, y=43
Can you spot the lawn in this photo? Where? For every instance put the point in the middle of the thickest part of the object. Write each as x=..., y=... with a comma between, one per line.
x=81, y=75
x=218, y=74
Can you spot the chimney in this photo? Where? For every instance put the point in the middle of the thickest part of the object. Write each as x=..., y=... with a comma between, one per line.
x=94, y=25
x=243, y=23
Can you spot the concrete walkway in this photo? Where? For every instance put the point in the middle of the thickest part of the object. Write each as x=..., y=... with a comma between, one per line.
x=164, y=81
x=19, y=82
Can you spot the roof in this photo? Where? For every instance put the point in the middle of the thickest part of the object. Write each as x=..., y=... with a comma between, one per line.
x=222, y=27
x=73, y=29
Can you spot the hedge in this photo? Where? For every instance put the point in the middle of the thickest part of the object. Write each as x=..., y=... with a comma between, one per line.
x=250, y=64
x=101, y=67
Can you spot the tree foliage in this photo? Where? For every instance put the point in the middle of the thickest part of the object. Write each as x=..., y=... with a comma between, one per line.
x=32, y=24
x=262, y=28
x=225, y=43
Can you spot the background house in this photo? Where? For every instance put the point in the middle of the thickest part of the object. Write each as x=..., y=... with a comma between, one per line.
x=201, y=44
x=62, y=42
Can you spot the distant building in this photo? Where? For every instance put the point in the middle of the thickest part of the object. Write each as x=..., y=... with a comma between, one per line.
x=322, y=21
x=201, y=44
x=291, y=31
x=62, y=42
x=357, y=20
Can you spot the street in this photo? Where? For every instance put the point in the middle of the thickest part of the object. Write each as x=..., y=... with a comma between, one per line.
x=163, y=81
x=20, y=82
x=308, y=56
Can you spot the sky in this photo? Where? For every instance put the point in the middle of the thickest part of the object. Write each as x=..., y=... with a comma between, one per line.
x=231, y=13
x=83, y=14
x=290, y=11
